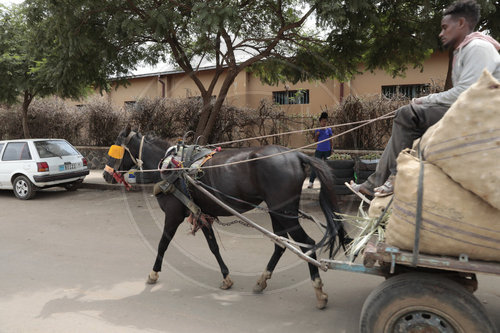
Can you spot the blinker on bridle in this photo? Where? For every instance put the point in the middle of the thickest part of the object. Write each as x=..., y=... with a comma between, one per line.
x=117, y=152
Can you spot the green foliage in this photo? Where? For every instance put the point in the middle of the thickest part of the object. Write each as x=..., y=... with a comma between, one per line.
x=14, y=55
x=388, y=35
x=371, y=156
x=337, y=156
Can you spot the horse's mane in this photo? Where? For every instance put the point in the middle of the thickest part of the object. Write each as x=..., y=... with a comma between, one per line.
x=158, y=142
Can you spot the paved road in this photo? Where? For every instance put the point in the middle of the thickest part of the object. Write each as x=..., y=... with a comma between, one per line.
x=77, y=262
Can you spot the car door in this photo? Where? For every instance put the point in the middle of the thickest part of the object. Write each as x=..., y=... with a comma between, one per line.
x=2, y=174
x=16, y=157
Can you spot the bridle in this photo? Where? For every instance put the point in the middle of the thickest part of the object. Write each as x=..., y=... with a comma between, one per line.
x=117, y=152
x=137, y=161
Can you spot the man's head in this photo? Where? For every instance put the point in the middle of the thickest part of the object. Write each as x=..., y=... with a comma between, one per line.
x=458, y=21
x=323, y=118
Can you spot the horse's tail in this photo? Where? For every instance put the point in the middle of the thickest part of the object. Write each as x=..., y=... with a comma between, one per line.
x=329, y=206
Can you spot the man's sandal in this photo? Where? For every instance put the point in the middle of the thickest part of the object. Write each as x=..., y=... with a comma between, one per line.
x=386, y=189
x=360, y=190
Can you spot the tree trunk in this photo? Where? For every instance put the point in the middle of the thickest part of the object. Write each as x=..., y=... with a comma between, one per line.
x=24, y=113
x=204, y=116
x=210, y=117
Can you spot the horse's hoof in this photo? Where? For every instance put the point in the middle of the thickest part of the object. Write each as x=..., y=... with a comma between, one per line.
x=259, y=287
x=226, y=283
x=320, y=295
x=261, y=282
x=322, y=301
x=153, y=277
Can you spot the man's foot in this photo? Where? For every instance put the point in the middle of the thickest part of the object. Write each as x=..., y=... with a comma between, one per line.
x=361, y=188
x=386, y=189
x=311, y=185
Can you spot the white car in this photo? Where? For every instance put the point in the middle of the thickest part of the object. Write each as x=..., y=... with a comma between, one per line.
x=32, y=164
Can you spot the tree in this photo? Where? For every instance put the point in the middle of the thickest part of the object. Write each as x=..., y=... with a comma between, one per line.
x=389, y=35
x=24, y=66
x=269, y=37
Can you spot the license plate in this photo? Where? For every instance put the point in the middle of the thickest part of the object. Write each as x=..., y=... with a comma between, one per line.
x=69, y=166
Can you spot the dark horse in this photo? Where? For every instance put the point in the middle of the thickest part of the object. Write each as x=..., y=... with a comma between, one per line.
x=277, y=181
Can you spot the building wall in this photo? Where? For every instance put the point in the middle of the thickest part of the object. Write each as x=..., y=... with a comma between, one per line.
x=138, y=88
x=368, y=83
x=248, y=91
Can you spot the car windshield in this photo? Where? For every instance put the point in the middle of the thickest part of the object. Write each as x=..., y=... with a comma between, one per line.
x=54, y=148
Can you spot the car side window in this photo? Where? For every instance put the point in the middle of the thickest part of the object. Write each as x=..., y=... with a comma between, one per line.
x=15, y=151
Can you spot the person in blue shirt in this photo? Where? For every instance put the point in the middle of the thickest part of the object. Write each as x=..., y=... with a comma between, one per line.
x=324, y=148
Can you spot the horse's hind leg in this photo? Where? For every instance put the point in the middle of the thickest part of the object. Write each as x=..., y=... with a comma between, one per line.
x=214, y=247
x=299, y=235
x=278, y=252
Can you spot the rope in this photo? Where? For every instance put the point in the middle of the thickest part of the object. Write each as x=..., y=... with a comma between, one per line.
x=301, y=214
x=386, y=116
x=364, y=123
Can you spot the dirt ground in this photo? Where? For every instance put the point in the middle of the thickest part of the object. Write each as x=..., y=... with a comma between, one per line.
x=78, y=262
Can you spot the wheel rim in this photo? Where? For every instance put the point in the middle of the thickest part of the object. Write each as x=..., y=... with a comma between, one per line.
x=22, y=188
x=422, y=321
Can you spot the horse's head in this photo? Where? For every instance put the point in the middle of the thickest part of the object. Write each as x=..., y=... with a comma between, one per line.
x=122, y=156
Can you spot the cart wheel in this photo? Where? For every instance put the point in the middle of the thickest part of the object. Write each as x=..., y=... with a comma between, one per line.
x=419, y=302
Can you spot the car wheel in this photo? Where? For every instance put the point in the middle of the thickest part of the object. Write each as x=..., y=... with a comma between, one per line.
x=23, y=188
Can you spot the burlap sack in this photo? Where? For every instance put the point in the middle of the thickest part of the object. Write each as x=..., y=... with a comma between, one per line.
x=378, y=206
x=455, y=220
x=465, y=143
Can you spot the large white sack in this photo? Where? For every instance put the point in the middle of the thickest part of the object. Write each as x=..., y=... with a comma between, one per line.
x=455, y=220
x=465, y=143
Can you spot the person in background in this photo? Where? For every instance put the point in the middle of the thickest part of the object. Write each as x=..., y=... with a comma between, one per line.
x=324, y=148
x=473, y=53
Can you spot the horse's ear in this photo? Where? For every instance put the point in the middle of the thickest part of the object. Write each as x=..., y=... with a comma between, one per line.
x=127, y=130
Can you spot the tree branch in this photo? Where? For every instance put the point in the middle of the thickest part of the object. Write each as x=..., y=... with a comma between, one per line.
x=183, y=61
x=276, y=39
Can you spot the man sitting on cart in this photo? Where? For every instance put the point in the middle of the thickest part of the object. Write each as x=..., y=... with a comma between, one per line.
x=473, y=52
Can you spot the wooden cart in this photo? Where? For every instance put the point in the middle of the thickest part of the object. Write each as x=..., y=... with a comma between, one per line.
x=433, y=294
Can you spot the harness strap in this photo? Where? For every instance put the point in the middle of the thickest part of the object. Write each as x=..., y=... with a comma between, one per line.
x=209, y=156
x=137, y=161
x=419, y=210
x=169, y=188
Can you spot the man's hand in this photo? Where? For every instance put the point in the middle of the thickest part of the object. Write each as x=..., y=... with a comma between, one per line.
x=416, y=101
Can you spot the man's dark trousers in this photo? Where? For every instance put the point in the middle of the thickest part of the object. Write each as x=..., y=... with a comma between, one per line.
x=410, y=123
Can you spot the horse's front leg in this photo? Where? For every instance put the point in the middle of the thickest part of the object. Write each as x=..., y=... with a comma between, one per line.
x=271, y=265
x=214, y=247
x=173, y=219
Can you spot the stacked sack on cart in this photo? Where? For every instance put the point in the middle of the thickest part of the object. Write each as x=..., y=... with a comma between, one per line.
x=460, y=156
